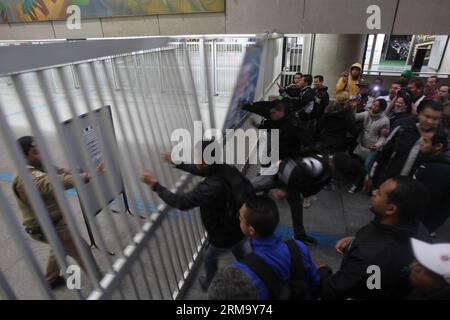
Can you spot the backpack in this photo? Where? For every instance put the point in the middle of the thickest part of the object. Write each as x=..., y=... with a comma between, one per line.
x=297, y=173
x=295, y=288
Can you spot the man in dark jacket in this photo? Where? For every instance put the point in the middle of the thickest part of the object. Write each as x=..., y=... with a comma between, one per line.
x=376, y=260
x=293, y=137
x=321, y=98
x=435, y=174
x=337, y=121
x=363, y=98
x=294, y=179
x=401, y=149
x=304, y=107
x=218, y=208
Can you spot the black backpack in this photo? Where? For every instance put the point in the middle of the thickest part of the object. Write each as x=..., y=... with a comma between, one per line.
x=295, y=288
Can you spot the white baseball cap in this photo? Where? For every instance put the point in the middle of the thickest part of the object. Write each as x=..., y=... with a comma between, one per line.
x=435, y=257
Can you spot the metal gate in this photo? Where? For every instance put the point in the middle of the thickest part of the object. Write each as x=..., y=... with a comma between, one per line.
x=149, y=87
x=292, y=60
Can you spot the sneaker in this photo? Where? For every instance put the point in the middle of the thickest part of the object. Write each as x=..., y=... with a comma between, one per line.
x=307, y=203
x=58, y=283
x=204, y=284
x=354, y=189
x=310, y=241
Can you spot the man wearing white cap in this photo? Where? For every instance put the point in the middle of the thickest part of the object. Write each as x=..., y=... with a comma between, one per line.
x=430, y=274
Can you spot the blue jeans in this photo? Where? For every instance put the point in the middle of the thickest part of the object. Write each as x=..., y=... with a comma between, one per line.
x=240, y=250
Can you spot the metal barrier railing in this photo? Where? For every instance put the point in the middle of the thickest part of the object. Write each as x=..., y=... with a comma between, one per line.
x=151, y=92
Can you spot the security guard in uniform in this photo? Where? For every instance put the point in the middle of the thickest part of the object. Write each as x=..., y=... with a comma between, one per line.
x=30, y=221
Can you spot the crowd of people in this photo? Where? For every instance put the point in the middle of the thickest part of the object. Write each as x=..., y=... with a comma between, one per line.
x=392, y=144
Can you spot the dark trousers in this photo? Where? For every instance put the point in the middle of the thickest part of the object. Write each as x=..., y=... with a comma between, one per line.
x=295, y=201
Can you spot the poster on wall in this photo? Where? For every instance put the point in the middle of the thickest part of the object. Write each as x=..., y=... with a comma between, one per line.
x=44, y=10
x=398, y=48
x=244, y=91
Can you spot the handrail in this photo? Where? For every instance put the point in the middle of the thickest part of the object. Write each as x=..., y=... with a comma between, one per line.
x=399, y=73
x=23, y=58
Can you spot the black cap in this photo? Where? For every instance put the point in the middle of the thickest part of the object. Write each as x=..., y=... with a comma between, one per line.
x=26, y=143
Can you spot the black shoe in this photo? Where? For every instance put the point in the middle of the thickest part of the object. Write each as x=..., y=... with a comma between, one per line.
x=309, y=241
x=58, y=283
x=204, y=284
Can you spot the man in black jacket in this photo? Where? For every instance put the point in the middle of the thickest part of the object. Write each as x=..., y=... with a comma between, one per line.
x=294, y=179
x=293, y=137
x=336, y=124
x=218, y=198
x=303, y=105
x=434, y=173
x=401, y=149
x=376, y=260
x=321, y=98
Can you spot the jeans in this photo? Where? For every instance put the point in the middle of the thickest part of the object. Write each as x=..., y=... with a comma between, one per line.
x=240, y=250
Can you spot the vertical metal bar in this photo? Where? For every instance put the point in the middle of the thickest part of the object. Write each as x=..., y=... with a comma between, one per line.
x=311, y=53
x=160, y=124
x=133, y=164
x=212, y=118
x=76, y=83
x=372, y=53
x=53, y=82
x=5, y=289
x=183, y=104
x=149, y=151
x=113, y=72
x=191, y=84
x=140, y=156
x=23, y=246
x=167, y=178
x=153, y=268
x=214, y=65
x=165, y=121
x=188, y=117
